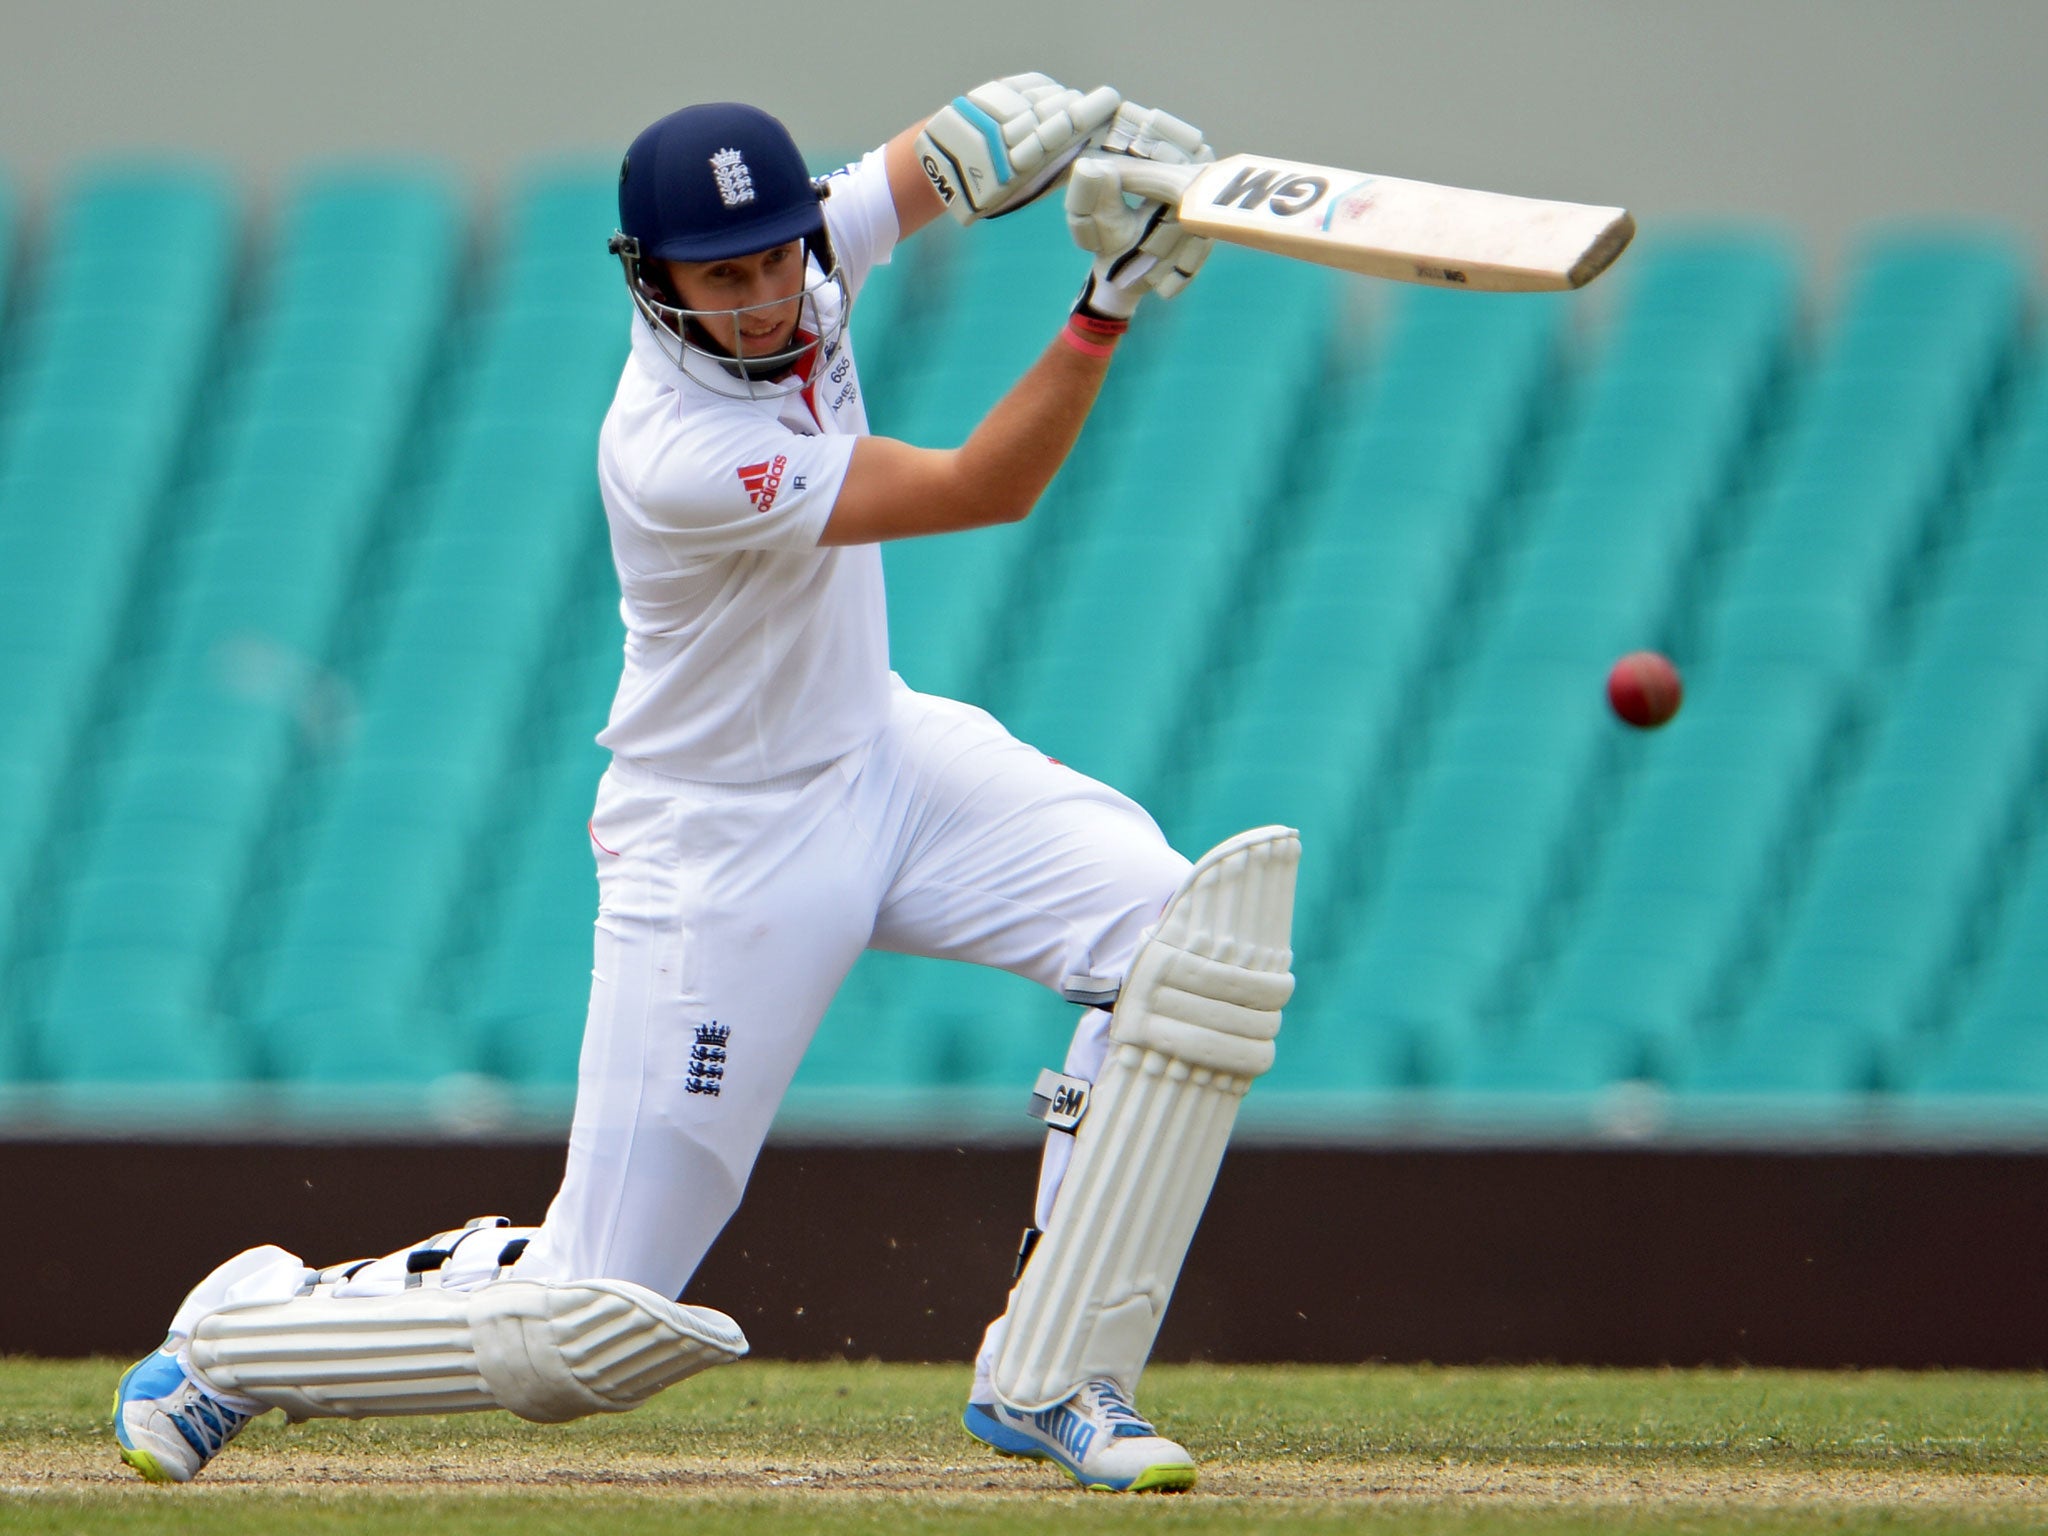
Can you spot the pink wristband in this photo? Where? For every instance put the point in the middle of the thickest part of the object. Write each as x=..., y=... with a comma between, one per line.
x=1074, y=339
x=1092, y=337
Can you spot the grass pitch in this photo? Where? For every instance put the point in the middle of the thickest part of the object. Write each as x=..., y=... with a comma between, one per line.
x=878, y=1448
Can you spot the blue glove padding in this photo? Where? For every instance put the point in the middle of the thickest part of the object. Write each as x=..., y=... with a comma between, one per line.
x=1004, y=143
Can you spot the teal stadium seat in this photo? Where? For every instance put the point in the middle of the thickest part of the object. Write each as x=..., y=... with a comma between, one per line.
x=1924, y=840
x=1324, y=706
x=507, y=529
x=547, y=248
x=523, y=985
x=1159, y=540
x=1859, y=962
x=989, y=300
x=82, y=473
x=1889, y=419
x=303, y=453
x=969, y=1026
x=335, y=837
x=1653, y=960
x=1491, y=825
x=867, y=1041
x=183, y=213
x=1997, y=1047
x=906, y=1023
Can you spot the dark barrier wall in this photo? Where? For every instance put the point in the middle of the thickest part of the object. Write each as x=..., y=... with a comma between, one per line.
x=1597, y=1257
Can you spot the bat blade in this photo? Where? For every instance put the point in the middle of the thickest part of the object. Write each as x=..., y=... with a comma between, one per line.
x=1412, y=231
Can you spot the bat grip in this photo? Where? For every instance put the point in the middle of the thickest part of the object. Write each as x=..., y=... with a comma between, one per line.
x=1159, y=183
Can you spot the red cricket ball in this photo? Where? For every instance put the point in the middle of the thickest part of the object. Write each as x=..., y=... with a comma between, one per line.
x=1644, y=689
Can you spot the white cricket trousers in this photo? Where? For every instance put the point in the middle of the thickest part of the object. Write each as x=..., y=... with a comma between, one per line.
x=729, y=915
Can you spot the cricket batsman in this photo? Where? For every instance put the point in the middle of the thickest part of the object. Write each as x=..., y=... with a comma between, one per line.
x=778, y=800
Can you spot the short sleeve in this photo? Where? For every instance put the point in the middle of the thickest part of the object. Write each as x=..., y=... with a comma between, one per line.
x=731, y=482
x=860, y=213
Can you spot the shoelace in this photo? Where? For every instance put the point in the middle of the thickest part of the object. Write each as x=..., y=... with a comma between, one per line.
x=1125, y=1422
x=207, y=1425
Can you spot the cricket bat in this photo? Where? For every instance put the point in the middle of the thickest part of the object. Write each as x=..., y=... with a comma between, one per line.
x=1411, y=231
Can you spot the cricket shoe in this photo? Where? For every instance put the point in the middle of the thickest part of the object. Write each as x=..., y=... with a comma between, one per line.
x=168, y=1425
x=1101, y=1441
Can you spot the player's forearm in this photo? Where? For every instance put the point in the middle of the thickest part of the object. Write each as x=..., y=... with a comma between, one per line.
x=917, y=204
x=896, y=491
x=1009, y=460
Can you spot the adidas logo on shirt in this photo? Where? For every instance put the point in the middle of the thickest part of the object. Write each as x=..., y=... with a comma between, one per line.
x=763, y=481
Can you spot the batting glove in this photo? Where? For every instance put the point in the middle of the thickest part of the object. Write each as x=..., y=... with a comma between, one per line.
x=1150, y=134
x=1004, y=143
x=1142, y=249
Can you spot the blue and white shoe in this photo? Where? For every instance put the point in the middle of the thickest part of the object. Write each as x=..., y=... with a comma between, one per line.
x=168, y=1425
x=1101, y=1441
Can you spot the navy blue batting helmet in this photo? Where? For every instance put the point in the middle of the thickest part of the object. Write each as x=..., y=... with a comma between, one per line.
x=715, y=180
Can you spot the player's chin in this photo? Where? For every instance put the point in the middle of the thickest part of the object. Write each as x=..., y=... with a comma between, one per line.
x=768, y=343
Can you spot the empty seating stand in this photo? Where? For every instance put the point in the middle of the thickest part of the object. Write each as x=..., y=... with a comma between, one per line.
x=1005, y=287
x=349, y=980
x=1924, y=913
x=1995, y=1050
x=1869, y=480
x=523, y=968
x=84, y=470
x=1159, y=540
x=1711, y=840
x=1659, y=431
x=1353, y=629
x=306, y=630
x=318, y=400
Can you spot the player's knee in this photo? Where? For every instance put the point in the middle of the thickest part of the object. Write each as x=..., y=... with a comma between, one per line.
x=1144, y=889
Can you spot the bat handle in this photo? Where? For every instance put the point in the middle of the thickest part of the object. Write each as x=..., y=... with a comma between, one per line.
x=1160, y=183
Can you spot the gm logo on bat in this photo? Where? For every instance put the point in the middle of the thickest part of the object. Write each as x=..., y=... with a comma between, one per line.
x=1254, y=184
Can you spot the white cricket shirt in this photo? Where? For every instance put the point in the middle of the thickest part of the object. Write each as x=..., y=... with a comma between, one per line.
x=750, y=651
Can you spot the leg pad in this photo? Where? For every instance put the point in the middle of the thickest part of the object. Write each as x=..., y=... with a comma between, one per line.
x=546, y=1351
x=1193, y=1025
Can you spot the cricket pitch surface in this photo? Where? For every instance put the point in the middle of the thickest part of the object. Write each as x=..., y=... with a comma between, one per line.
x=869, y=1447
